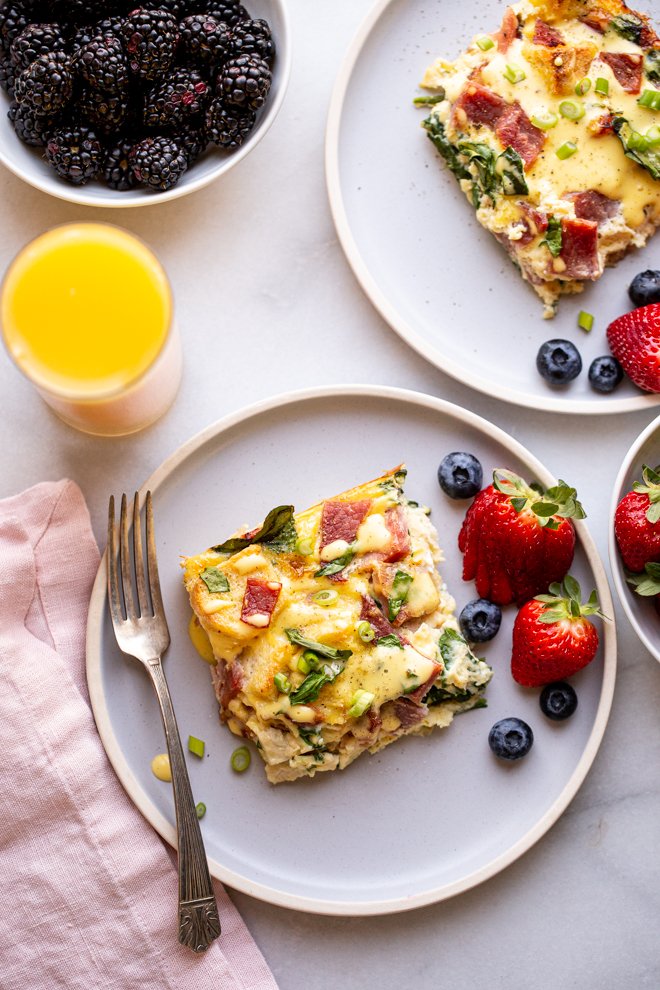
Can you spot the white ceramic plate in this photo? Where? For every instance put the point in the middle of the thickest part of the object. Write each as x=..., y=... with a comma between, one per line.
x=422, y=820
x=641, y=611
x=440, y=280
x=29, y=164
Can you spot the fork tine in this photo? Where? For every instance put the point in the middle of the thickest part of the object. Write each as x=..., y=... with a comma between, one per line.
x=139, y=559
x=126, y=562
x=114, y=598
x=152, y=561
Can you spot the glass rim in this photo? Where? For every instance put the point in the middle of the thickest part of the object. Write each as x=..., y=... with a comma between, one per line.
x=111, y=393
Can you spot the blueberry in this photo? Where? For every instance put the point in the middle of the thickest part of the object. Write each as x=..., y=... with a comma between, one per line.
x=558, y=361
x=460, y=475
x=558, y=701
x=645, y=288
x=480, y=620
x=605, y=373
x=510, y=739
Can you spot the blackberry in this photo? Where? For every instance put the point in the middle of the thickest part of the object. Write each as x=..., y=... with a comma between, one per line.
x=30, y=127
x=180, y=97
x=14, y=18
x=83, y=35
x=244, y=82
x=193, y=142
x=253, y=38
x=179, y=8
x=102, y=64
x=110, y=27
x=47, y=84
x=75, y=154
x=82, y=11
x=7, y=73
x=228, y=128
x=150, y=41
x=204, y=40
x=116, y=170
x=36, y=40
x=158, y=162
x=105, y=112
x=227, y=11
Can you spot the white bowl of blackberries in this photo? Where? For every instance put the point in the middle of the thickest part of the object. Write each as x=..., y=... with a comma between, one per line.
x=112, y=105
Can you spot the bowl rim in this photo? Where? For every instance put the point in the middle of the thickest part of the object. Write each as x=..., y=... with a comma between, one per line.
x=616, y=564
x=138, y=198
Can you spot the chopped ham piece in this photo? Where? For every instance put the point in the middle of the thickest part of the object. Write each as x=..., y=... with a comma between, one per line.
x=395, y=520
x=537, y=219
x=259, y=600
x=579, y=250
x=480, y=105
x=546, y=35
x=626, y=68
x=227, y=681
x=370, y=612
x=508, y=30
x=592, y=205
x=424, y=688
x=341, y=520
x=409, y=713
x=516, y=129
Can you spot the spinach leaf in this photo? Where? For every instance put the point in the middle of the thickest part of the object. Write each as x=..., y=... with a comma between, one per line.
x=484, y=160
x=511, y=169
x=391, y=640
x=437, y=133
x=336, y=565
x=310, y=688
x=629, y=27
x=554, y=238
x=652, y=64
x=278, y=533
x=452, y=646
x=648, y=159
x=313, y=738
x=400, y=589
x=321, y=649
x=214, y=580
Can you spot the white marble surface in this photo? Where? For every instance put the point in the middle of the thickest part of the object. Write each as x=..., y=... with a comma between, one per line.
x=259, y=277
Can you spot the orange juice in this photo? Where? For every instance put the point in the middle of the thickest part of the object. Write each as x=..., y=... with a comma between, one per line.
x=87, y=315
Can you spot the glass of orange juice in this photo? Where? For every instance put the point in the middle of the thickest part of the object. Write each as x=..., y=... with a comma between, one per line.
x=87, y=315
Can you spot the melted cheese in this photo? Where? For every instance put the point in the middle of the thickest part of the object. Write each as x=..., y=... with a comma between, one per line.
x=373, y=535
x=333, y=550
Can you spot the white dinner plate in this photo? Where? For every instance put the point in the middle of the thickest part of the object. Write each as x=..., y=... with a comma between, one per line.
x=424, y=819
x=441, y=281
x=641, y=611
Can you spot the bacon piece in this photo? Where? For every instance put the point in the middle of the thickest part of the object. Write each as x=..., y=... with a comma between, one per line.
x=592, y=205
x=546, y=35
x=516, y=129
x=409, y=713
x=370, y=612
x=341, y=520
x=579, y=250
x=480, y=105
x=537, y=219
x=228, y=680
x=604, y=125
x=424, y=688
x=395, y=520
x=508, y=30
x=259, y=600
x=626, y=68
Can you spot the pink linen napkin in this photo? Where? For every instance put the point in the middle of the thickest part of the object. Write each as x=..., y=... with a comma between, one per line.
x=89, y=890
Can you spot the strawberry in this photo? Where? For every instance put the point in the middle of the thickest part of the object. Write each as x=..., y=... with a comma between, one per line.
x=634, y=340
x=647, y=584
x=518, y=539
x=552, y=636
x=637, y=522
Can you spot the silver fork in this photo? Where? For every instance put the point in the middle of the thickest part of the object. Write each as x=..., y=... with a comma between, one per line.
x=143, y=634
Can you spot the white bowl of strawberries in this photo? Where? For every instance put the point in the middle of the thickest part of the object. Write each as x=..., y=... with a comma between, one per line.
x=634, y=542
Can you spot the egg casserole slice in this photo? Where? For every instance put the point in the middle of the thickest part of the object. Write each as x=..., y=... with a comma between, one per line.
x=331, y=630
x=552, y=127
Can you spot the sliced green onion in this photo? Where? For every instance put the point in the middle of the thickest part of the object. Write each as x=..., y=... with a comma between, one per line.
x=311, y=659
x=240, y=759
x=650, y=99
x=583, y=87
x=200, y=809
x=282, y=683
x=514, y=75
x=653, y=136
x=366, y=632
x=566, y=150
x=305, y=548
x=602, y=86
x=303, y=666
x=327, y=597
x=485, y=43
x=545, y=120
x=637, y=142
x=571, y=110
x=196, y=746
x=585, y=321
x=359, y=703
x=423, y=101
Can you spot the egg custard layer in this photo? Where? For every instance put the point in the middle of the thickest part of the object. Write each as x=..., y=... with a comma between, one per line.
x=552, y=127
x=331, y=630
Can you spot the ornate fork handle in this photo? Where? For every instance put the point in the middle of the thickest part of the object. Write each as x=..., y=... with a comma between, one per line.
x=199, y=924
